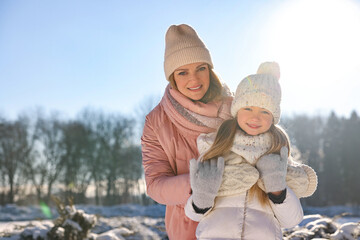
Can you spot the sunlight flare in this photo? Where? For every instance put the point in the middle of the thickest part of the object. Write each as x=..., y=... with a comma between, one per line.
x=316, y=43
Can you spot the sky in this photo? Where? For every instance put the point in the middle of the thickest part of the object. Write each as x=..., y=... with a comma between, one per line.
x=68, y=55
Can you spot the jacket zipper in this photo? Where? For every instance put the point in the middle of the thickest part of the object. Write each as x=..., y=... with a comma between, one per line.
x=244, y=215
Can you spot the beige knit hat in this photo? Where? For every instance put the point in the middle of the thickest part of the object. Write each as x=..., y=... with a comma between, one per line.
x=260, y=90
x=183, y=46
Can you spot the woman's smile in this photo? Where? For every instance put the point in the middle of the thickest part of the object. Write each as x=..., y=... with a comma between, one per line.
x=195, y=88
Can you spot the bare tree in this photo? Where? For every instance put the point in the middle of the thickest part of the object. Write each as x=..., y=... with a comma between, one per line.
x=76, y=175
x=96, y=152
x=16, y=145
x=131, y=171
x=45, y=165
x=2, y=169
x=108, y=158
x=118, y=137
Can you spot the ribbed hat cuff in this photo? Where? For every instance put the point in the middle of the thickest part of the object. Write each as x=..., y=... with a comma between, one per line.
x=258, y=100
x=186, y=56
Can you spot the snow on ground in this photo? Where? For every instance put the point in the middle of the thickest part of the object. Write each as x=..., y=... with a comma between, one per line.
x=131, y=221
x=128, y=221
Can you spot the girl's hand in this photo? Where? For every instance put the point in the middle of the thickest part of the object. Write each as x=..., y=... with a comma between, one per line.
x=273, y=169
x=205, y=181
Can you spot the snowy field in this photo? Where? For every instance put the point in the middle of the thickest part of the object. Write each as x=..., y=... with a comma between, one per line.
x=146, y=222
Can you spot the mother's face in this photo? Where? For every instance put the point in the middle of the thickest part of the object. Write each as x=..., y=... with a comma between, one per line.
x=193, y=80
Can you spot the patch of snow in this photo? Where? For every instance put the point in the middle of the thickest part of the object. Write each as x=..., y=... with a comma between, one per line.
x=132, y=222
x=38, y=232
x=347, y=231
x=74, y=225
x=115, y=234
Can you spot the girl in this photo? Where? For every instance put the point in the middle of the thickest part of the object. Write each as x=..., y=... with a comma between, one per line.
x=258, y=186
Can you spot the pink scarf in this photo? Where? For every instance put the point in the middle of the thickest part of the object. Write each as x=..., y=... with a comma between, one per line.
x=194, y=117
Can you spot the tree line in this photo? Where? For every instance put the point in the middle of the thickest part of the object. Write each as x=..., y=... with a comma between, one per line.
x=41, y=156
x=100, y=153
x=331, y=145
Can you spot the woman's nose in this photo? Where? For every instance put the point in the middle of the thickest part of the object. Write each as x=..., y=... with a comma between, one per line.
x=192, y=76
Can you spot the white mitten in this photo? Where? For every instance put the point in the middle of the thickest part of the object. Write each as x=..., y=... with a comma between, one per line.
x=205, y=181
x=273, y=169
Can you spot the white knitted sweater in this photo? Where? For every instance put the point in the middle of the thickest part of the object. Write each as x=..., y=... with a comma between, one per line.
x=240, y=173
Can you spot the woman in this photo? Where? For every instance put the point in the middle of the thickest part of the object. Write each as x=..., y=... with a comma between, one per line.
x=194, y=102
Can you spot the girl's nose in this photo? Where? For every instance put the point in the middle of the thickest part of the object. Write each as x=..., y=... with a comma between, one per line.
x=255, y=117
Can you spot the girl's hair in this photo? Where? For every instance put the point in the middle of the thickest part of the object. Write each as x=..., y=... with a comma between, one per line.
x=225, y=138
x=215, y=88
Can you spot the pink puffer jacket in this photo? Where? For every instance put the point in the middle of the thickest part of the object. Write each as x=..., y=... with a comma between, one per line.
x=168, y=143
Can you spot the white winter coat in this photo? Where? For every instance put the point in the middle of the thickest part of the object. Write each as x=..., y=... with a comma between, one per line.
x=237, y=217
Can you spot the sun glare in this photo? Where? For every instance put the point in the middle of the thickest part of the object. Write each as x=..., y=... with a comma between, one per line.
x=317, y=42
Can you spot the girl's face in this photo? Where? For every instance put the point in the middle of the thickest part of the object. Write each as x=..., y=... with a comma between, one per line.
x=193, y=80
x=254, y=120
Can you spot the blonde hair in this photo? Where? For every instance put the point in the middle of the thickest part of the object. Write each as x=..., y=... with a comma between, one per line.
x=224, y=141
x=214, y=92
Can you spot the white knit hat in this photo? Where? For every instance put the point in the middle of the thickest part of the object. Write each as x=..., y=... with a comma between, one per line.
x=183, y=46
x=260, y=90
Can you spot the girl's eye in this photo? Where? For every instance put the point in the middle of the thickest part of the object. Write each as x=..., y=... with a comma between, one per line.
x=201, y=68
x=247, y=109
x=265, y=112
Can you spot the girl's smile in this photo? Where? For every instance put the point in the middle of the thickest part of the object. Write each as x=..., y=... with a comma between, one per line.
x=254, y=120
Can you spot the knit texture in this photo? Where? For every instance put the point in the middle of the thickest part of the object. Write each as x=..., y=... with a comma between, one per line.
x=273, y=170
x=183, y=46
x=205, y=180
x=260, y=90
x=194, y=118
x=302, y=178
x=240, y=174
x=251, y=147
x=298, y=179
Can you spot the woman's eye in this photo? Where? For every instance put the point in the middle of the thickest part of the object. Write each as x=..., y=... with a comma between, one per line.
x=247, y=109
x=181, y=73
x=201, y=68
x=265, y=112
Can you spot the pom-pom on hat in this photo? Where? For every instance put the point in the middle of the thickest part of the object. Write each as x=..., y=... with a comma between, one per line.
x=260, y=90
x=183, y=46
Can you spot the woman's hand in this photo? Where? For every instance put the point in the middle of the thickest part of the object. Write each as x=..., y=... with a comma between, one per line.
x=273, y=169
x=205, y=181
